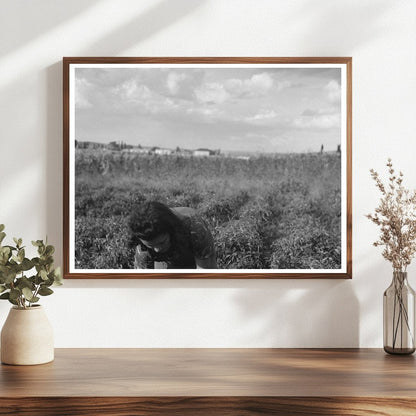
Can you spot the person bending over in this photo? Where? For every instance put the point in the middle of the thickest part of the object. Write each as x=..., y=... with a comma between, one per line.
x=170, y=238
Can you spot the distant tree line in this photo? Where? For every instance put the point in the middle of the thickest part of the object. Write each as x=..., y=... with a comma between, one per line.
x=114, y=145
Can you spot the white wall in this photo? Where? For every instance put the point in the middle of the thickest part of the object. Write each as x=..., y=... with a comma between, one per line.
x=380, y=35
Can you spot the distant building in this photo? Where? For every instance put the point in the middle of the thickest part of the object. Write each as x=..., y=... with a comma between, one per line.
x=163, y=152
x=182, y=152
x=202, y=152
x=141, y=150
x=206, y=152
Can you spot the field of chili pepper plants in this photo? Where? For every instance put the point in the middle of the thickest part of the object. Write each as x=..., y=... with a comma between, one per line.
x=276, y=211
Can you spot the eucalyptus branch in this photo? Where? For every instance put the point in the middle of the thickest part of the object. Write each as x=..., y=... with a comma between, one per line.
x=16, y=283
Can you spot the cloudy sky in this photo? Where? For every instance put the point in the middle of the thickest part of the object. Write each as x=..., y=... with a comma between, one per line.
x=233, y=109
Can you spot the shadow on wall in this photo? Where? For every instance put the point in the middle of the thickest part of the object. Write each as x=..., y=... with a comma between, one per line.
x=347, y=25
x=261, y=313
x=301, y=313
x=54, y=146
x=37, y=17
x=375, y=277
x=160, y=16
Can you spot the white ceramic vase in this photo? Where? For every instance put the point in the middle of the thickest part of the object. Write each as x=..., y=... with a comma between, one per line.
x=27, y=337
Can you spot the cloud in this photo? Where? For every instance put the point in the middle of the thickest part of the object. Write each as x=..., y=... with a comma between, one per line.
x=262, y=117
x=333, y=90
x=131, y=95
x=82, y=87
x=308, y=112
x=265, y=114
x=205, y=114
x=173, y=81
x=211, y=93
x=106, y=77
x=323, y=121
x=180, y=84
x=321, y=111
x=258, y=84
x=132, y=90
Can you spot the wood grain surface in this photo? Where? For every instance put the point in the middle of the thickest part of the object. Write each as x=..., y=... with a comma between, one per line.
x=207, y=406
x=212, y=381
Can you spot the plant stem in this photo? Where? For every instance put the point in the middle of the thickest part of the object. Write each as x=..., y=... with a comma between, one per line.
x=36, y=291
x=401, y=314
x=394, y=315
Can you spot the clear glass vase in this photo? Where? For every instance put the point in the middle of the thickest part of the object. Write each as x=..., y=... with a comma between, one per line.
x=399, y=316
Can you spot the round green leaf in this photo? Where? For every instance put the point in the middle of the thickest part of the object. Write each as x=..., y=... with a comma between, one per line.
x=45, y=291
x=28, y=294
x=26, y=264
x=15, y=294
x=43, y=275
x=49, y=250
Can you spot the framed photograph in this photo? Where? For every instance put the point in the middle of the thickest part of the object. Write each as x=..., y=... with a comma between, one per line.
x=207, y=168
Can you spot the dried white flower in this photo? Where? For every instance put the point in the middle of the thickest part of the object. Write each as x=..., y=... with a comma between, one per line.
x=396, y=217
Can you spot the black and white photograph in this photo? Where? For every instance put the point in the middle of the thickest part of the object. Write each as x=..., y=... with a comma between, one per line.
x=214, y=168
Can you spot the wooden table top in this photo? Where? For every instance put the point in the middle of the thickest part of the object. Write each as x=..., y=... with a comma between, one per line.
x=214, y=372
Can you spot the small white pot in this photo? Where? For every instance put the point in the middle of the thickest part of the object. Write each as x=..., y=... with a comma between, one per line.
x=27, y=337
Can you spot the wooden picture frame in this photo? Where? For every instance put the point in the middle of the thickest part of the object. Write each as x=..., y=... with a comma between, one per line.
x=281, y=126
